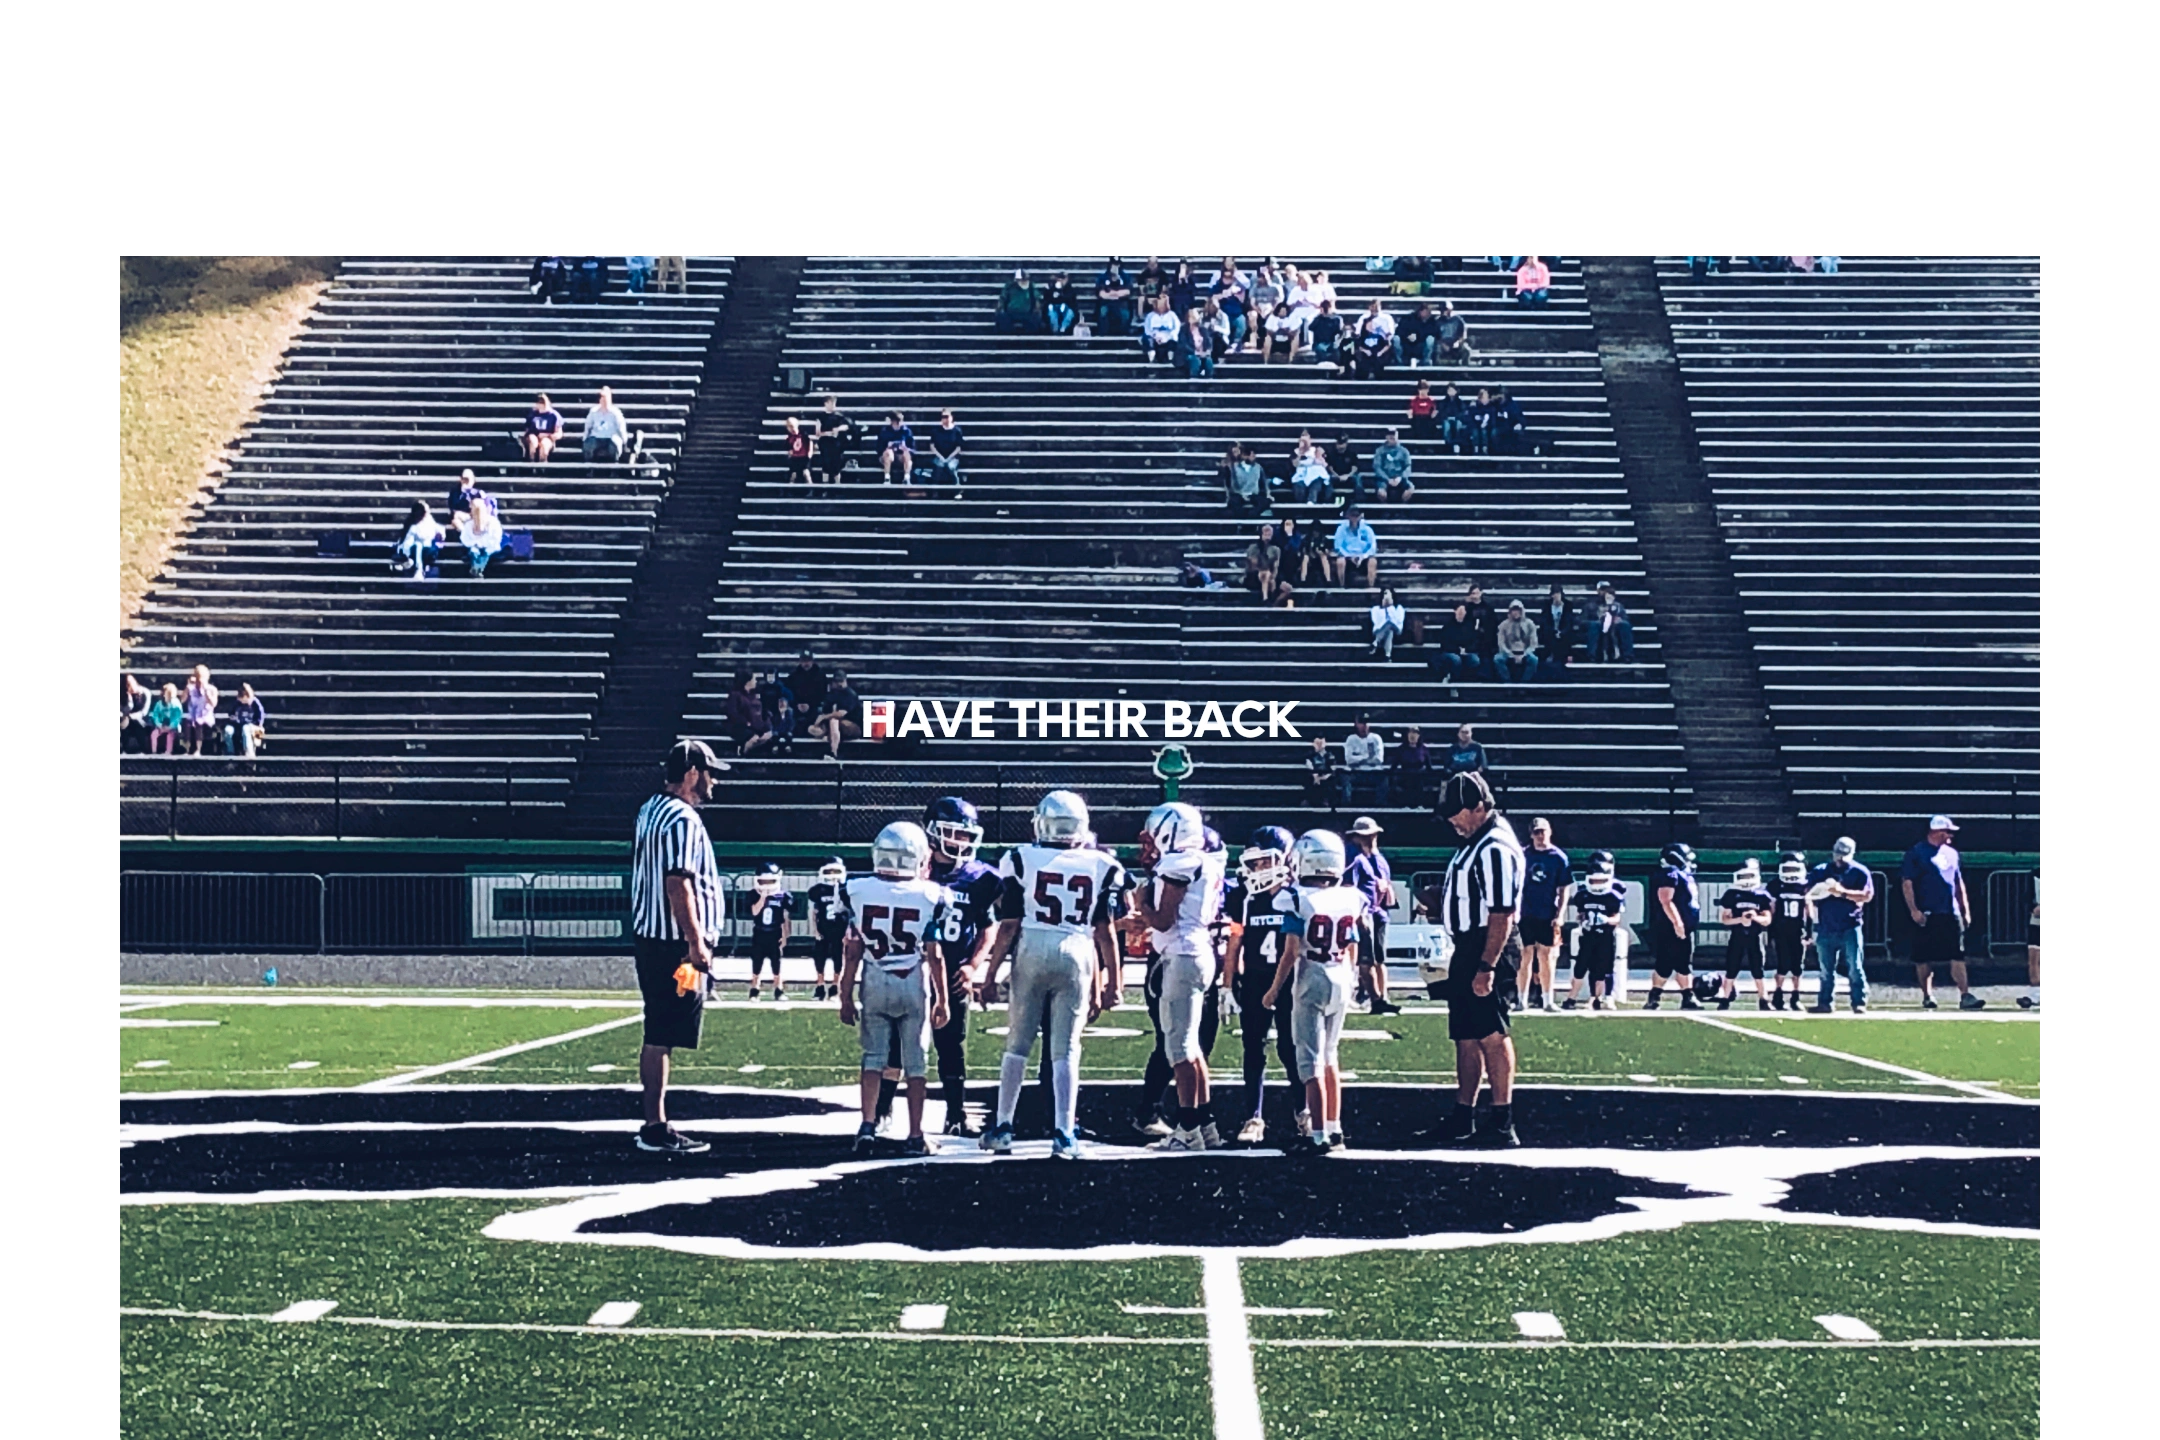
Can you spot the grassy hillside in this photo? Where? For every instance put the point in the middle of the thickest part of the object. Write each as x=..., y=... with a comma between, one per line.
x=199, y=337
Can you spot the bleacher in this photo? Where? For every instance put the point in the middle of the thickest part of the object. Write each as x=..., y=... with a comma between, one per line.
x=1872, y=438
x=402, y=705
x=1089, y=476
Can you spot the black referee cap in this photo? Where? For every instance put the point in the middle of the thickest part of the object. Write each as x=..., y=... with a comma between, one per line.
x=691, y=755
x=1466, y=791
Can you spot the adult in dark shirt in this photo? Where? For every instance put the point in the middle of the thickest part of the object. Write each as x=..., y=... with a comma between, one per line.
x=1419, y=334
x=543, y=427
x=1454, y=652
x=836, y=715
x=1019, y=304
x=805, y=683
x=1325, y=332
x=1484, y=418
x=1451, y=336
x=1326, y=782
x=1672, y=916
x=835, y=433
x=1060, y=311
x=945, y=443
x=1933, y=882
x=1556, y=622
x=1487, y=622
x=1113, y=300
x=1412, y=764
x=1511, y=432
x=550, y=279
x=1466, y=757
x=1184, y=292
x=1547, y=882
x=1151, y=281
x=1840, y=889
x=896, y=446
x=745, y=712
x=1454, y=420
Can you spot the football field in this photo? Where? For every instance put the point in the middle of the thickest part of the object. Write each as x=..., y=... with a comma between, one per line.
x=379, y=1213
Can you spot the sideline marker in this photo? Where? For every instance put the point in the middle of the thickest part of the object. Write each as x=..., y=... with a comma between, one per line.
x=1844, y=1327
x=615, y=1312
x=922, y=1317
x=304, y=1310
x=1539, y=1325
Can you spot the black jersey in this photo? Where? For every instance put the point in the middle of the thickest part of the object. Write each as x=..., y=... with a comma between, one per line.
x=975, y=886
x=1595, y=913
x=1788, y=908
x=1261, y=945
x=1745, y=902
x=828, y=907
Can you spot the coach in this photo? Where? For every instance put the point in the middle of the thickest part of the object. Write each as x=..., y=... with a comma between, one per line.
x=1370, y=876
x=675, y=909
x=1479, y=897
x=1934, y=886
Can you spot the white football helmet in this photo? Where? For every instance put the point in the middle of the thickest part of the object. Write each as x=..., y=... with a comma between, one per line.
x=833, y=872
x=1749, y=875
x=768, y=880
x=901, y=851
x=1174, y=827
x=1793, y=868
x=1319, y=855
x=1061, y=818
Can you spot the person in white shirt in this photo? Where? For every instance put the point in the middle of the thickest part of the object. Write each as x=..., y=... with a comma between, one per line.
x=1180, y=903
x=1364, y=756
x=605, y=430
x=1323, y=919
x=422, y=541
x=895, y=916
x=1387, y=623
x=1159, y=331
x=481, y=533
x=1285, y=327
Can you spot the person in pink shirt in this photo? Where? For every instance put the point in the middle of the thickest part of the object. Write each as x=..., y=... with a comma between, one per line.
x=1533, y=282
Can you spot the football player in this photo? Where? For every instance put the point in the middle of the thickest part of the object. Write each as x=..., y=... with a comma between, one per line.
x=1601, y=933
x=1179, y=902
x=1746, y=909
x=1790, y=914
x=895, y=915
x=1251, y=953
x=1056, y=903
x=769, y=906
x=1320, y=950
x=955, y=834
x=1676, y=903
x=828, y=913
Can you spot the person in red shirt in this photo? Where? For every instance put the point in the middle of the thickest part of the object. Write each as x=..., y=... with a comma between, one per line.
x=1424, y=424
x=798, y=452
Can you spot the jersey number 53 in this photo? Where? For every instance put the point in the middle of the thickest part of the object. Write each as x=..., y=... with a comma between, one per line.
x=1050, y=905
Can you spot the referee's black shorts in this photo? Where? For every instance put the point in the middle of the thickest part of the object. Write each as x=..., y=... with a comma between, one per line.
x=1471, y=1016
x=1941, y=939
x=672, y=1021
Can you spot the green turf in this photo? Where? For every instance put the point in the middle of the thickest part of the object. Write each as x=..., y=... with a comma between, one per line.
x=235, y=1382
x=253, y=1046
x=2005, y=1053
x=1649, y=1395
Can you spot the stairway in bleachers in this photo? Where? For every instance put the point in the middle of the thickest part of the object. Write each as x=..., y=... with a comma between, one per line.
x=1872, y=442
x=1089, y=476
x=400, y=706
x=1731, y=751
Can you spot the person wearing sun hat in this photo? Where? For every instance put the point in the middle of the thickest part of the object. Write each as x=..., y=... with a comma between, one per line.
x=1368, y=873
x=1934, y=889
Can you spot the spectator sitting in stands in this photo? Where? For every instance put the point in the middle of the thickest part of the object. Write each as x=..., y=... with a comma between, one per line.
x=1374, y=348
x=550, y=279
x=798, y=452
x=1284, y=327
x=945, y=443
x=1018, y=305
x=1517, y=659
x=1467, y=757
x=480, y=531
x=165, y=717
x=1295, y=552
x=1149, y=282
x=1263, y=564
x=543, y=427
x=1060, y=310
x=1184, y=292
x=779, y=711
x=1228, y=293
x=1391, y=467
x=1424, y=412
x=1355, y=546
x=1159, y=332
x=1484, y=422
x=589, y=281
x=1556, y=621
x=805, y=683
x=1325, y=331
x=198, y=704
x=1418, y=335
x=1387, y=623
x=1309, y=474
x=1343, y=468
x=1452, y=336
x=835, y=432
x=1702, y=266
x=896, y=446
x=1607, y=633
x=419, y=546
x=1455, y=413
x=1511, y=433
x=1196, y=347
x=1455, y=648
x=1264, y=297
x=1318, y=287
x=1325, y=782
x=1196, y=577
x=607, y=432
x=671, y=272
x=638, y=269
x=464, y=491
x=1412, y=770
x=1218, y=328
x=1113, y=300
x=1533, y=282
x=1487, y=621
x=745, y=712
x=1364, y=756
x=1245, y=482
x=1377, y=320
x=245, y=726
x=836, y=714
x=135, y=703
x=1411, y=275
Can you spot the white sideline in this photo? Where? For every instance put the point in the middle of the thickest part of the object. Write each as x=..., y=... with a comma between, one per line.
x=1984, y=1092
x=1230, y=1367
x=394, y=1082
x=928, y=1336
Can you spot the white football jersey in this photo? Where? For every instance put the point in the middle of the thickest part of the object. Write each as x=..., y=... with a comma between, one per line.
x=1327, y=920
x=1066, y=890
x=896, y=918
x=1202, y=872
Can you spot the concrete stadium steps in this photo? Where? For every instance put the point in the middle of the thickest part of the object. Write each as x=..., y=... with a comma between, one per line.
x=1872, y=439
x=401, y=372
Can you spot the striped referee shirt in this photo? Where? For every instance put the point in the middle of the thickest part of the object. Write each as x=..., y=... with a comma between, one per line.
x=1485, y=875
x=671, y=840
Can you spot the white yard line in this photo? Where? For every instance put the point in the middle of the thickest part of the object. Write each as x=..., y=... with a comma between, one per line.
x=1230, y=1367
x=395, y=1082
x=935, y=1336
x=1984, y=1092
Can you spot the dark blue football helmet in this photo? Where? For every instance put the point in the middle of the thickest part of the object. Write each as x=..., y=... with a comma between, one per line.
x=955, y=830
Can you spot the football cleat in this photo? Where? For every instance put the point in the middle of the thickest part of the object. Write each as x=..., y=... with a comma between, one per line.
x=1178, y=1142
x=1688, y=1001
x=1461, y=1127
x=1253, y=1131
x=998, y=1139
x=865, y=1137
x=918, y=1145
x=1502, y=1138
x=1656, y=996
x=1859, y=1009
x=1762, y=1004
x=2028, y=1002
x=1570, y=1003
x=1970, y=1001
x=667, y=1140
x=1063, y=1146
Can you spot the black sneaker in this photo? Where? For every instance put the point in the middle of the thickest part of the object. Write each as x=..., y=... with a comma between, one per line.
x=667, y=1140
x=1724, y=1002
x=753, y=992
x=1652, y=1002
x=1460, y=1129
x=1503, y=1138
x=1762, y=1004
x=1569, y=1003
x=818, y=993
x=1970, y=1001
x=1927, y=1002
x=1385, y=1007
x=1818, y=1009
x=1777, y=1001
x=916, y=1145
x=2026, y=1002
x=865, y=1138
x=1688, y=1001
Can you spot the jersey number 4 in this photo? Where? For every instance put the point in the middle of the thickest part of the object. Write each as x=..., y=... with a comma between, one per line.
x=1050, y=906
x=896, y=940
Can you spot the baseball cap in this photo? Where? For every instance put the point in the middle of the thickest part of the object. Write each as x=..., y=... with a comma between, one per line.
x=1364, y=825
x=1466, y=791
x=688, y=755
x=1541, y=823
x=1942, y=822
x=1843, y=848
x=1514, y=604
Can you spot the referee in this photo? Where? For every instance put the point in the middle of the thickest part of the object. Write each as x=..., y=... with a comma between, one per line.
x=675, y=907
x=1479, y=898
